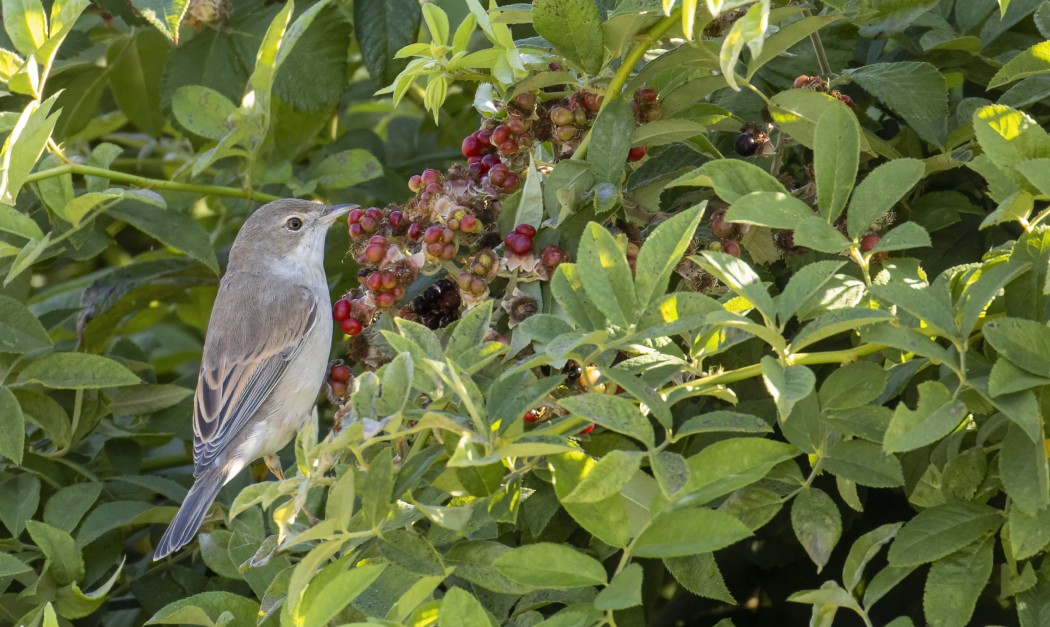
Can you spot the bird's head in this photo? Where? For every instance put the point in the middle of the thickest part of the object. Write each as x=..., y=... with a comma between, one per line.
x=289, y=230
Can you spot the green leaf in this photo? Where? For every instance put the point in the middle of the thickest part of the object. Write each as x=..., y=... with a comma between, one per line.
x=346, y=169
x=21, y=494
x=796, y=112
x=880, y=191
x=1029, y=534
x=20, y=331
x=383, y=27
x=530, y=203
x=262, y=76
x=610, y=137
x=815, y=233
x=662, y=252
x=17, y=223
x=66, y=507
x=1009, y=137
x=605, y=275
x=1026, y=343
x=663, y=132
x=64, y=561
x=12, y=427
x=10, y=566
x=731, y=179
x=728, y=465
x=26, y=24
x=73, y=603
x=904, y=236
x=202, y=110
x=459, y=607
x=740, y=278
x=549, y=565
x=164, y=15
x=925, y=303
x=865, y=464
x=942, y=530
x=852, y=385
x=378, y=485
x=806, y=283
x=169, y=227
x=836, y=157
x=776, y=210
x=23, y=146
x=699, y=574
x=136, y=67
x=749, y=29
x=77, y=371
x=722, y=421
x=780, y=41
x=612, y=412
x=1023, y=470
x=786, y=384
x=605, y=478
x=209, y=607
x=624, y=591
x=689, y=531
x=410, y=551
x=934, y=417
x=916, y=91
x=607, y=519
x=955, y=583
x=817, y=524
x=671, y=472
x=1032, y=62
x=864, y=549
x=574, y=28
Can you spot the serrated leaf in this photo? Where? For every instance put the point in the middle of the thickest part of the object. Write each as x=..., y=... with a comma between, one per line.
x=574, y=28
x=880, y=191
x=942, y=530
x=1031, y=62
x=865, y=464
x=776, y=210
x=934, y=417
x=836, y=157
x=662, y=252
x=548, y=565
x=955, y=583
x=689, y=531
x=817, y=524
x=611, y=412
x=916, y=91
x=606, y=276
x=610, y=139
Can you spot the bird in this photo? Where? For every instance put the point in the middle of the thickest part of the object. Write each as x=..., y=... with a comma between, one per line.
x=265, y=353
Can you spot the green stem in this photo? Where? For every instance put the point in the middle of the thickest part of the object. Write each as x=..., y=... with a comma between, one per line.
x=148, y=183
x=628, y=65
x=818, y=48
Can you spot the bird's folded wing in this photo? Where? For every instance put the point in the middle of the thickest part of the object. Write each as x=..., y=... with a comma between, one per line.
x=245, y=358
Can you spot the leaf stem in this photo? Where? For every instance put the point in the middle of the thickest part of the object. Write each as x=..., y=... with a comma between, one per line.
x=149, y=183
x=624, y=72
x=818, y=48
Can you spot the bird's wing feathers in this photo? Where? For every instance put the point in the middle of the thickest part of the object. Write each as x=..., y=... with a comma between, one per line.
x=242, y=364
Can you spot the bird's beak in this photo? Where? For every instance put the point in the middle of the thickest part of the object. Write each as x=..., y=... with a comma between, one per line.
x=334, y=212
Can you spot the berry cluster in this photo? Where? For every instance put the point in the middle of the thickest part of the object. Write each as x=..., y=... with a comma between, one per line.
x=646, y=105
x=474, y=282
x=727, y=233
x=343, y=313
x=338, y=376
x=519, y=241
x=436, y=307
x=816, y=83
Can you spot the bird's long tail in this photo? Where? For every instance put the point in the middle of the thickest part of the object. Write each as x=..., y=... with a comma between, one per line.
x=188, y=519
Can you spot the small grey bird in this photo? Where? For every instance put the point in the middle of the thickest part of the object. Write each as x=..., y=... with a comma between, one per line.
x=265, y=354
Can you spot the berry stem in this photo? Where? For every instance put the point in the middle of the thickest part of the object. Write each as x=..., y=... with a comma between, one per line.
x=148, y=183
x=628, y=65
x=818, y=48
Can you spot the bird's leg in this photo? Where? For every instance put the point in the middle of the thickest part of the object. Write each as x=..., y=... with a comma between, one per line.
x=274, y=464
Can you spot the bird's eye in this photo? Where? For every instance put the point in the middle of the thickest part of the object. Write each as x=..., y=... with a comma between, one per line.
x=294, y=224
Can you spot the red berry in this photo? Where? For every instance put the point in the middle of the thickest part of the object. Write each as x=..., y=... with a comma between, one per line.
x=552, y=256
x=800, y=81
x=385, y=299
x=561, y=116
x=500, y=134
x=377, y=239
x=730, y=247
x=375, y=213
x=431, y=176
x=498, y=175
x=468, y=223
x=527, y=230
x=508, y=147
x=370, y=225
x=868, y=242
x=374, y=282
x=470, y=146
x=435, y=249
x=415, y=183
x=341, y=310
x=355, y=216
x=491, y=160
x=843, y=98
x=645, y=94
x=432, y=234
x=515, y=126
x=448, y=252
x=434, y=189
x=517, y=243
x=587, y=429
x=396, y=219
x=590, y=101
x=719, y=227
x=414, y=232
x=374, y=253
x=636, y=153
x=351, y=326
x=511, y=182
x=356, y=231
x=339, y=373
x=338, y=388
x=484, y=140
x=531, y=416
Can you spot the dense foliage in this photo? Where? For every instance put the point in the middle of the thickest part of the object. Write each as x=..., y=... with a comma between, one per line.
x=731, y=312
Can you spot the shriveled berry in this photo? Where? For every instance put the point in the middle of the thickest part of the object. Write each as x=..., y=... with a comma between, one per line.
x=508, y=147
x=527, y=230
x=385, y=299
x=518, y=244
x=731, y=247
x=351, y=326
x=843, y=98
x=636, y=153
x=491, y=160
x=448, y=252
x=590, y=101
x=745, y=144
x=339, y=373
x=515, y=125
x=435, y=249
x=800, y=82
x=719, y=227
x=341, y=310
x=552, y=256
x=560, y=116
x=526, y=100
x=868, y=242
x=415, y=183
x=645, y=94
x=463, y=280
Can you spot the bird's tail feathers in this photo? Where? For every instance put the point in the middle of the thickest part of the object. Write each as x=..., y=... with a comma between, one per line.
x=188, y=519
